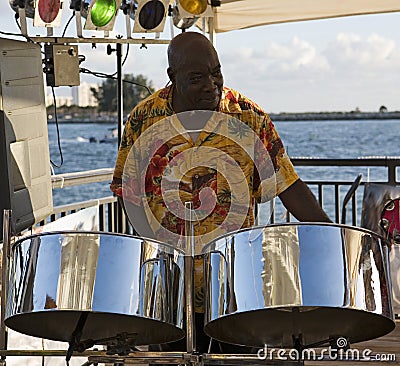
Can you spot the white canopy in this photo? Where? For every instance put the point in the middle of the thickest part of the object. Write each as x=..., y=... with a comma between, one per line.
x=240, y=14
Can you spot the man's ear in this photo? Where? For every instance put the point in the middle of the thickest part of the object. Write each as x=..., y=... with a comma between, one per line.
x=171, y=74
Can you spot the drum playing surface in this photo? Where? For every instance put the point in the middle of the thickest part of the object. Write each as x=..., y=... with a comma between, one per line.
x=96, y=286
x=306, y=282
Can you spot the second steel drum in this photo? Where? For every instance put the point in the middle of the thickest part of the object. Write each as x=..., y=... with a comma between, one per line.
x=96, y=286
x=292, y=284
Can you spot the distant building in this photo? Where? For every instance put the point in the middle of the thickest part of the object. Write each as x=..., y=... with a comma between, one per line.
x=82, y=95
x=61, y=100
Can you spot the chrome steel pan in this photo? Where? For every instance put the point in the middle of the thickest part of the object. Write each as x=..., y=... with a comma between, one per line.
x=297, y=283
x=100, y=284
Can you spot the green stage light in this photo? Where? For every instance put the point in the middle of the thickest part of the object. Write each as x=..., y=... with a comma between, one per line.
x=103, y=11
x=101, y=14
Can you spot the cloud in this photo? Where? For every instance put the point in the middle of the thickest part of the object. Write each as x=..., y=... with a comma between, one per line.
x=299, y=56
x=373, y=54
x=298, y=59
x=347, y=71
x=347, y=54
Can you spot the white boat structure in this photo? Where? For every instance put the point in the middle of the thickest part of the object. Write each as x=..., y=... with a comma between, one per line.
x=49, y=280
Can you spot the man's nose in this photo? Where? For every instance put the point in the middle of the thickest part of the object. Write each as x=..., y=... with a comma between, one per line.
x=210, y=83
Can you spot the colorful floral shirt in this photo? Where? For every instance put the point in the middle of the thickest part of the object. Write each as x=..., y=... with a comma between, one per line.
x=222, y=173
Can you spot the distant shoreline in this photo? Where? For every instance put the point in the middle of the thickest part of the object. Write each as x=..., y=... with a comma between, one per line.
x=307, y=116
x=334, y=116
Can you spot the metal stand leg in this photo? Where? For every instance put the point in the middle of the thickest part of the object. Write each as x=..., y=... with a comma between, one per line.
x=189, y=281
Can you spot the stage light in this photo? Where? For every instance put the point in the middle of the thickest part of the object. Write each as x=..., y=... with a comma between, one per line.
x=129, y=7
x=48, y=13
x=150, y=16
x=195, y=7
x=188, y=12
x=101, y=14
x=182, y=23
x=23, y=4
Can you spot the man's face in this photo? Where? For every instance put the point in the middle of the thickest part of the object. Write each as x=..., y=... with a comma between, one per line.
x=198, y=80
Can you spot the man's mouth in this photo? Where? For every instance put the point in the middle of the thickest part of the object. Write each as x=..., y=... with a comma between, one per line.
x=213, y=99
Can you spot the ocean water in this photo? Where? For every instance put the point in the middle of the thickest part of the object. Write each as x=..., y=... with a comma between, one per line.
x=80, y=154
x=323, y=139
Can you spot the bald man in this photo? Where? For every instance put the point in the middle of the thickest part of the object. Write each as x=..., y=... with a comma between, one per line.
x=197, y=84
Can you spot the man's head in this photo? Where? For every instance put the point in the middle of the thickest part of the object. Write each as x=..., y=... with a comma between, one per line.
x=195, y=73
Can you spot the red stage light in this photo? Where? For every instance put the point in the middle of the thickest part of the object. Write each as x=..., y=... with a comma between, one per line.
x=48, y=10
x=48, y=13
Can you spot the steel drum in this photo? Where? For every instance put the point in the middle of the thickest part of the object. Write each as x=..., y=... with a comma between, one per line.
x=96, y=286
x=291, y=284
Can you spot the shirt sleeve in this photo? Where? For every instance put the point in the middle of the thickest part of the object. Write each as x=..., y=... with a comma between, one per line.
x=125, y=181
x=276, y=173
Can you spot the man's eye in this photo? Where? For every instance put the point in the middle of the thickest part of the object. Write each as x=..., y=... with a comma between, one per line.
x=195, y=78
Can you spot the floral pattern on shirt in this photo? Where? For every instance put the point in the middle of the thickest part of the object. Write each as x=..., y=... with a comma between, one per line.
x=216, y=189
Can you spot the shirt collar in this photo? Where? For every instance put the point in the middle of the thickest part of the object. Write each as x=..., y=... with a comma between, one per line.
x=229, y=103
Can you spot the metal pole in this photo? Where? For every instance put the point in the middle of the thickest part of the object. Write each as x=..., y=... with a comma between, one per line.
x=189, y=281
x=22, y=19
x=4, y=276
x=120, y=121
x=211, y=29
x=120, y=96
x=78, y=22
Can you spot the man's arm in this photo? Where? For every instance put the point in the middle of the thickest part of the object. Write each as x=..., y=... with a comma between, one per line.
x=302, y=204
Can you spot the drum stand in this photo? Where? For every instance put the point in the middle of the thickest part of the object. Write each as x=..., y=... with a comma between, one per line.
x=189, y=278
x=123, y=355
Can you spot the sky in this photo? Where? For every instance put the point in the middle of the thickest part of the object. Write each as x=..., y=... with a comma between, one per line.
x=324, y=65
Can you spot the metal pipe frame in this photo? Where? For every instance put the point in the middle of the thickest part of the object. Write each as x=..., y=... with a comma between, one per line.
x=145, y=357
x=4, y=276
x=93, y=40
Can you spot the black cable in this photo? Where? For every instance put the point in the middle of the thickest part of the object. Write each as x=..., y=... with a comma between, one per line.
x=19, y=26
x=81, y=58
x=66, y=26
x=126, y=55
x=107, y=76
x=12, y=34
x=58, y=132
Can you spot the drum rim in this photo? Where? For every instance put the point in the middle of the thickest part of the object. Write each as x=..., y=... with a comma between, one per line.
x=95, y=232
x=303, y=223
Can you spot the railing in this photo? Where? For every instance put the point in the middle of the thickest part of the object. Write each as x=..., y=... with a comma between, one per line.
x=382, y=170
x=329, y=192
